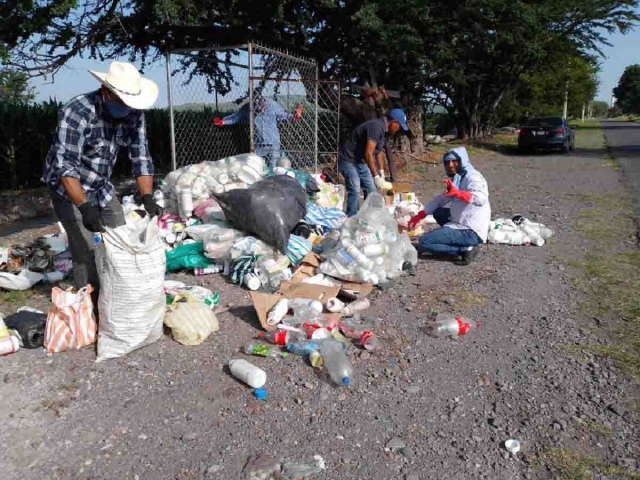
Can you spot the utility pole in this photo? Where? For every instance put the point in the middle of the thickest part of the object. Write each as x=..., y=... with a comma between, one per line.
x=583, y=109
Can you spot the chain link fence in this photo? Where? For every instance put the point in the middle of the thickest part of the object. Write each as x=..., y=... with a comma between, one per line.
x=231, y=100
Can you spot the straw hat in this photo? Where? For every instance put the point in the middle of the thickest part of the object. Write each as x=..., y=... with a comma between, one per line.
x=125, y=81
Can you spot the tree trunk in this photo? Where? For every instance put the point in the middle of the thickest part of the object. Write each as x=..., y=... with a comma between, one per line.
x=415, y=143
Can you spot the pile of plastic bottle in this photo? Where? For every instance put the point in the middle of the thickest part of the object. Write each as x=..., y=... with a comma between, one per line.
x=369, y=247
x=518, y=231
x=303, y=330
x=187, y=187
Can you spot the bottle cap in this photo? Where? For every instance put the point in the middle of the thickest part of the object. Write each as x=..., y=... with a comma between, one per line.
x=260, y=393
x=285, y=354
x=346, y=381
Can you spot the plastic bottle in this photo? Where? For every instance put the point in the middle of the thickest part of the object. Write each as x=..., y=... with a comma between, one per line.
x=278, y=312
x=509, y=237
x=315, y=359
x=375, y=250
x=336, y=362
x=223, y=179
x=250, y=374
x=370, y=342
x=303, y=347
x=360, y=257
x=248, y=175
x=282, y=337
x=372, y=238
x=305, y=307
x=345, y=258
x=211, y=269
x=334, y=305
x=252, y=281
x=277, y=279
x=9, y=345
x=532, y=233
x=356, y=306
x=262, y=350
x=448, y=325
x=185, y=203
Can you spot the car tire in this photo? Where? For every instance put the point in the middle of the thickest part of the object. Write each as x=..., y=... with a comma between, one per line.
x=566, y=147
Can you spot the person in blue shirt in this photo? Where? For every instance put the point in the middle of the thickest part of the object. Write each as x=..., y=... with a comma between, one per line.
x=356, y=158
x=266, y=135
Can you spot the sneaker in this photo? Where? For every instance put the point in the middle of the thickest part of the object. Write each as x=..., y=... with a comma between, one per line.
x=468, y=256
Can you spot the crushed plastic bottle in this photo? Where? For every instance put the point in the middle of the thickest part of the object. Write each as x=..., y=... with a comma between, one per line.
x=336, y=362
x=304, y=307
x=261, y=350
x=315, y=359
x=448, y=325
x=9, y=345
x=370, y=342
x=303, y=347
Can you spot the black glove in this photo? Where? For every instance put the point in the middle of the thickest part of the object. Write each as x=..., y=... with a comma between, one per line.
x=91, y=217
x=152, y=208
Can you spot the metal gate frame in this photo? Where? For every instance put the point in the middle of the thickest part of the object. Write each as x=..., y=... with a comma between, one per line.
x=315, y=136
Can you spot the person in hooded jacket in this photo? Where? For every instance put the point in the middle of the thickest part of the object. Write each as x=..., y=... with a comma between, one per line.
x=462, y=211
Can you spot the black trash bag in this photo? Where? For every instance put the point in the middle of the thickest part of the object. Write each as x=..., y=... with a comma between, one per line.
x=268, y=209
x=30, y=326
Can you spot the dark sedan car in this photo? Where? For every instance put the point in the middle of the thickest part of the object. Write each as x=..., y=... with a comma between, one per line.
x=546, y=133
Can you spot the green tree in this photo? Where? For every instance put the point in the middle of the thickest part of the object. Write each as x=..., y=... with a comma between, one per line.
x=14, y=87
x=628, y=90
x=599, y=109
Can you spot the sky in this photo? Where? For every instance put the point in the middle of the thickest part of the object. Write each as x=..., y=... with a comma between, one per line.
x=74, y=79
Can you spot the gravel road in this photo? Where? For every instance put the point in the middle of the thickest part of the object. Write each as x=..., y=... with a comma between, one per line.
x=447, y=406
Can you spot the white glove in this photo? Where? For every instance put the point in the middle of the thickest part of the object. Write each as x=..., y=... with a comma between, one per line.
x=378, y=180
x=381, y=173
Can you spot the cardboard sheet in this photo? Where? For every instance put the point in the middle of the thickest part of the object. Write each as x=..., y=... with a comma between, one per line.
x=308, y=267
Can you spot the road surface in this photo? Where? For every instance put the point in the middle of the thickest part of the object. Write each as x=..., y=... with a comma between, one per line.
x=624, y=140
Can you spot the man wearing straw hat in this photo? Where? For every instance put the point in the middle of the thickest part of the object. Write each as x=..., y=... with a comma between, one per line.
x=91, y=129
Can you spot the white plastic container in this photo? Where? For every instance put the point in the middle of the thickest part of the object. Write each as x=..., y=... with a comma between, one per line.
x=248, y=175
x=4, y=331
x=334, y=305
x=360, y=257
x=223, y=178
x=256, y=163
x=509, y=237
x=252, y=281
x=278, y=311
x=356, y=306
x=185, y=203
x=250, y=374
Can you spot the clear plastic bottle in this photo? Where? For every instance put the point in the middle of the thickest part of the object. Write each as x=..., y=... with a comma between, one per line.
x=262, y=350
x=509, y=237
x=304, y=307
x=448, y=325
x=361, y=304
x=303, y=347
x=360, y=258
x=370, y=342
x=375, y=250
x=282, y=337
x=336, y=362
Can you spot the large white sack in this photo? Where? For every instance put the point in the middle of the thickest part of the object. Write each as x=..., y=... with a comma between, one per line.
x=131, y=266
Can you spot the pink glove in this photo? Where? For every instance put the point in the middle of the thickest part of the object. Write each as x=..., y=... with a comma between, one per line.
x=297, y=115
x=452, y=191
x=413, y=223
x=218, y=122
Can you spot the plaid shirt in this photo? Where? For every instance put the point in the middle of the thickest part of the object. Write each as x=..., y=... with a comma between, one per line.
x=86, y=146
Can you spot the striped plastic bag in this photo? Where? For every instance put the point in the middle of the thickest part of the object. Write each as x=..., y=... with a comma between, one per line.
x=71, y=323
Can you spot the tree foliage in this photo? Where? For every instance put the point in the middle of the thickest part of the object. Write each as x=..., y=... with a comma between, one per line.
x=628, y=90
x=466, y=56
x=14, y=87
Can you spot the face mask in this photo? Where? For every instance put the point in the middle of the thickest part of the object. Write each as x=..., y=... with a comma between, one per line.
x=117, y=110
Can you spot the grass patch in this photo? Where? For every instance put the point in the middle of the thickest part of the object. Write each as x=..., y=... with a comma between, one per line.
x=18, y=296
x=590, y=138
x=567, y=464
x=599, y=429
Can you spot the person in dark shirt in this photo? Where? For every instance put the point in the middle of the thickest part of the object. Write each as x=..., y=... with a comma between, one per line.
x=356, y=159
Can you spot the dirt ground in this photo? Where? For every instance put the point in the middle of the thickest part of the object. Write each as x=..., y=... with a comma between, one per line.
x=173, y=412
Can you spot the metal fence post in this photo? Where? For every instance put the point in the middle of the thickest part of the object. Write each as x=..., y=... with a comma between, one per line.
x=315, y=153
x=172, y=133
x=251, y=107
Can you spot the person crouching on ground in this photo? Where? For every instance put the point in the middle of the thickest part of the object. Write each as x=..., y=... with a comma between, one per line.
x=464, y=225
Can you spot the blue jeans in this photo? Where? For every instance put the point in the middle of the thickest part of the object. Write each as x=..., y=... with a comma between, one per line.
x=448, y=240
x=356, y=176
x=270, y=153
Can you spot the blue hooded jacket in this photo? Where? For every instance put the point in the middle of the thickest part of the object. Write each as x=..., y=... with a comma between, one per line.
x=265, y=123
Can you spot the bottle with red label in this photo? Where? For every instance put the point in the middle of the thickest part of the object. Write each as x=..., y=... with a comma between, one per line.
x=448, y=325
x=282, y=337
